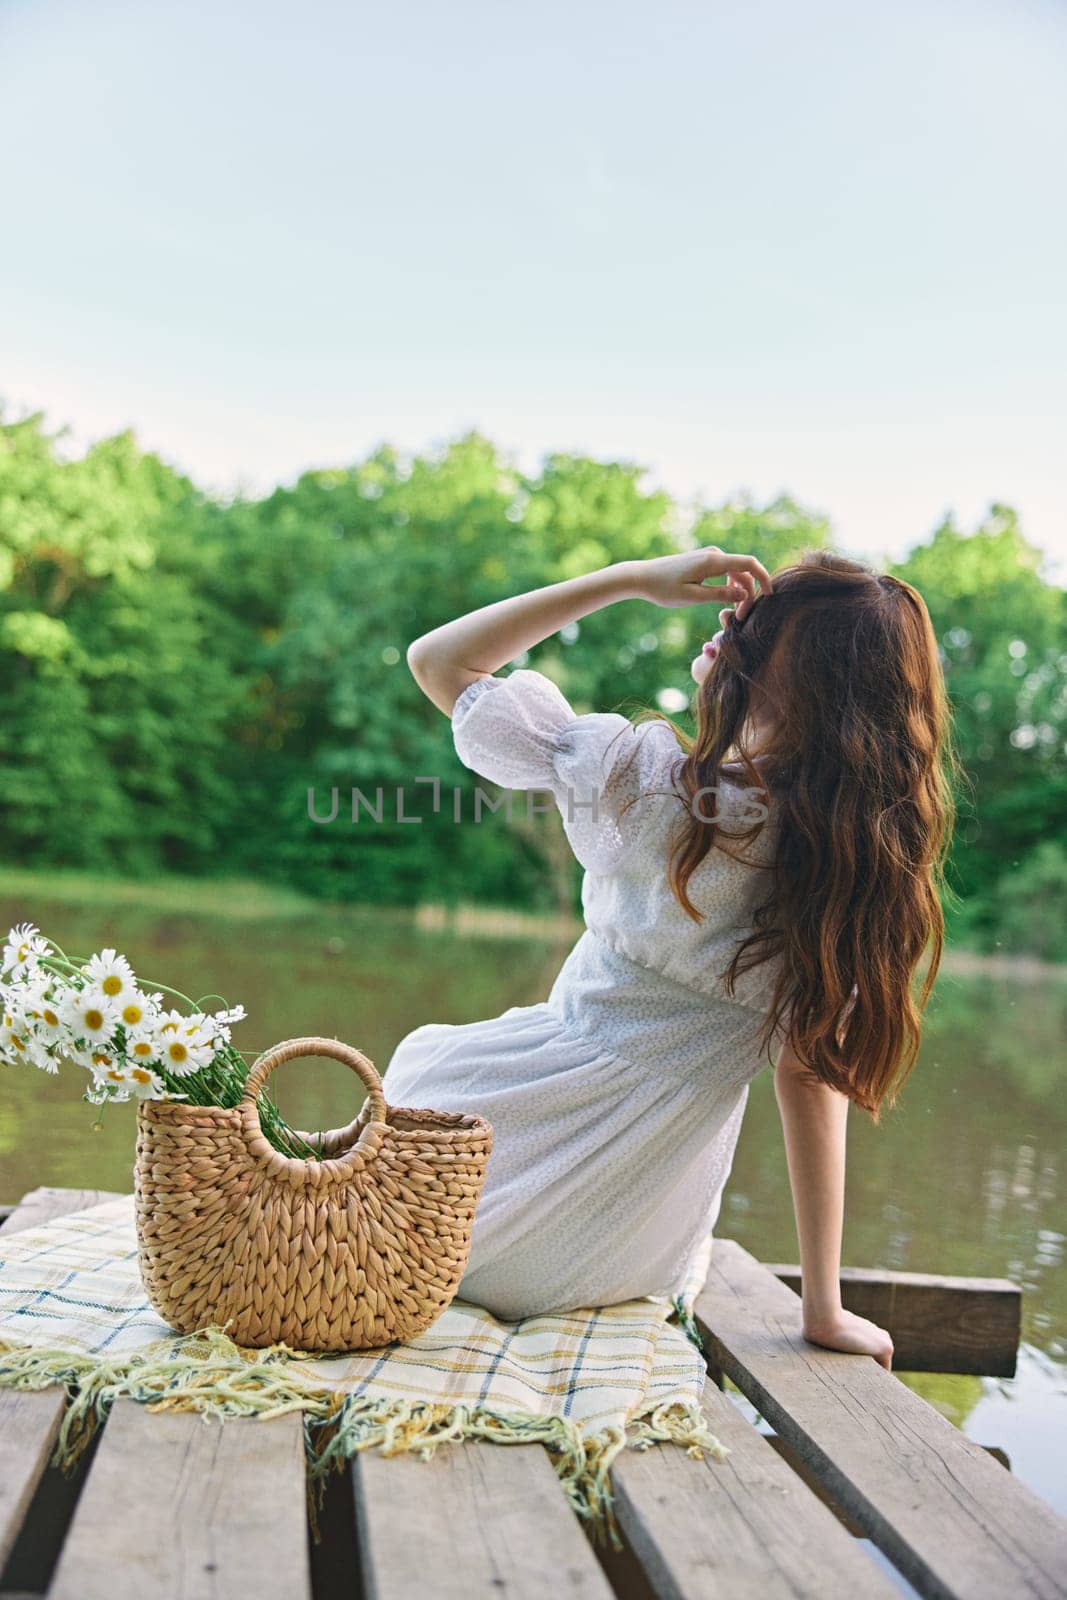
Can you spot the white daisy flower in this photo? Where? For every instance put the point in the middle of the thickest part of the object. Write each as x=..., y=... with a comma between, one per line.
x=111, y=973
x=201, y=1035
x=84, y=1055
x=12, y=1014
x=100, y=1093
x=145, y=1083
x=224, y=1020
x=14, y=1038
x=137, y=1010
x=180, y=1044
x=100, y=1061
x=141, y=1046
x=42, y=1010
x=89, y=1014
x=24, y=948
x=117, y=1081
x=18, y=1043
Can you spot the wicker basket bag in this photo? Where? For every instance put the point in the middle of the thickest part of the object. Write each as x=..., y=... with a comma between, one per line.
x=365, y=1246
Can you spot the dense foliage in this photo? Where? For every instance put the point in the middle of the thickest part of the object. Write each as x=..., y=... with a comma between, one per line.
x=176, y=672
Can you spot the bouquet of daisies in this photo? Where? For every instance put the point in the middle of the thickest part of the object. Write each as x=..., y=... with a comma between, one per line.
x=96, y=1016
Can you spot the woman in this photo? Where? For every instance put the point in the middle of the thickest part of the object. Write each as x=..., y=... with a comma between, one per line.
x=762, y=893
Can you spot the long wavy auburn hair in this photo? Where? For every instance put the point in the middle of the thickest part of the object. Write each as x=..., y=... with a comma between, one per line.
x=839, y=667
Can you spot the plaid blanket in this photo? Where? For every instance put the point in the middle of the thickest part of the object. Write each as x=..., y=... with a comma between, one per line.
x=587, y=1384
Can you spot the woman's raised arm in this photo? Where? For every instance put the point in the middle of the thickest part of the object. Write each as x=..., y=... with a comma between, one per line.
x=814, y=1122
x=445, y=660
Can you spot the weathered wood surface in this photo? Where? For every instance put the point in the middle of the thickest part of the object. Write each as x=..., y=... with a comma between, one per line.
x=189, y=1508
x=173, y=1506
x=937, y=1324
x=41, y=1205
x=28, y=1427
x=29, y=1421
x=484, y=1519
x=746, y=1526
x=952, y=1519
x=223, y=1507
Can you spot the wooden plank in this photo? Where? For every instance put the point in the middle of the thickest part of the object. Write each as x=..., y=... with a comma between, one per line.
x=29, y=1421
x=223, y=1510
x=948, y=1516
x=475, y=1521
x=937, y=1324
x=41, y=1205
x=177, y=1507
x=28, y=1427
x=740, y=1528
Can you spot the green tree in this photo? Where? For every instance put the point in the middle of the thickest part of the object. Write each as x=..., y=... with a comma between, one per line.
x=1002, y=630
x=178, y=671
x=113, y=698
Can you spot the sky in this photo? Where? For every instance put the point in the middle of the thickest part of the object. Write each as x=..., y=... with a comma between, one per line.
x=756, y=248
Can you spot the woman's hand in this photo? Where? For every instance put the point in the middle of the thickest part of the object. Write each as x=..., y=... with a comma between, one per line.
x=448, y=658
x=846, y=1331
x=680, y=580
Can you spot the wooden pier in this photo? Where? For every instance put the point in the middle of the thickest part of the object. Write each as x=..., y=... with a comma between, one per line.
x=170, y=1507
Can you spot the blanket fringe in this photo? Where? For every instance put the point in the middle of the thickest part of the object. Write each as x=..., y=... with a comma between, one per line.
x=207, y=1373
x=687, y=1322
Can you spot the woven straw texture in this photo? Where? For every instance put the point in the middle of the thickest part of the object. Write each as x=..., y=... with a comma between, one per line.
x=363, y=1247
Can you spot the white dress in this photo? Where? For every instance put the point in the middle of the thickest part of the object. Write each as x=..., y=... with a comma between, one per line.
x=617, y=1102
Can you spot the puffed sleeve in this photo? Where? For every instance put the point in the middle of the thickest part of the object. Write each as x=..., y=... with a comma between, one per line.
x=522, y=733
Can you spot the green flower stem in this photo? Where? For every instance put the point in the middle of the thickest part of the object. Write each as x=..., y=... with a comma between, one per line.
x=149, y=985
x=222, y=1083
x=51, y=962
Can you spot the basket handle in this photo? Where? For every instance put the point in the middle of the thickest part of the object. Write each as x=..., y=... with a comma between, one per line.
x=289, y=1049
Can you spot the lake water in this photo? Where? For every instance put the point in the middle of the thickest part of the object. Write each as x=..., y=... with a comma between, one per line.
x=965, y=1176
